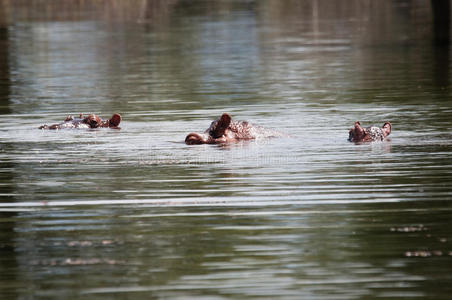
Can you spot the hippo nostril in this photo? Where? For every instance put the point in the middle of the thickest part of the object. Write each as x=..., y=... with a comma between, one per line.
x=194, y=139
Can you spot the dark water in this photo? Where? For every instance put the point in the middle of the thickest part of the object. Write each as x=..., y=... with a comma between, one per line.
x=136, y=213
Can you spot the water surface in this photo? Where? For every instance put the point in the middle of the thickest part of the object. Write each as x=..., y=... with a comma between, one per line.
x=136, y=213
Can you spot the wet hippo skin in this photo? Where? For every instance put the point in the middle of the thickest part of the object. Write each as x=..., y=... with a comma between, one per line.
x=226, y=130
x=90, y=121
x=369, y=134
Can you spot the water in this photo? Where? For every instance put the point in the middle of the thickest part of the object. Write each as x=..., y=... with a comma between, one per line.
x=136, y=213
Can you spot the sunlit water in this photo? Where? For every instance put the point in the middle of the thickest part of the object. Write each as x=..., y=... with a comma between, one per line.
x=137, y=213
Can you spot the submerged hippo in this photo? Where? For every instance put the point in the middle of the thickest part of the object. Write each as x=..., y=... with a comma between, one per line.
x=91, y=121
x=369, y=134
x=226, y=130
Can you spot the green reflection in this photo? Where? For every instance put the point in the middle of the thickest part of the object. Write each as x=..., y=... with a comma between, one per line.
x=137, y=213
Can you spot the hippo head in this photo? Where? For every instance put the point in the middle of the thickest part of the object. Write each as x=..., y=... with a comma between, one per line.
x=218, y=132
x=360, y=134
x=357, y=133
x=94, y=121
x=91, y=121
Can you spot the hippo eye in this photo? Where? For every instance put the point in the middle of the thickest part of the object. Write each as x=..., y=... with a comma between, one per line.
x=212, y=133
x=93, y=123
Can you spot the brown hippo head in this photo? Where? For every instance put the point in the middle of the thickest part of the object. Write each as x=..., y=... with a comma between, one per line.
x=226, y=130
x=94, y=121
x=369, y=134
x=90, y=121
x=357, y=133
x=218, y=132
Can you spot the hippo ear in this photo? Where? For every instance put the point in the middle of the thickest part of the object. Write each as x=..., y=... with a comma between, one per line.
x=358, y=129
x=115, y=120
x=221, y=125
x=224, y=121
x=357, y=133
x=387, y=128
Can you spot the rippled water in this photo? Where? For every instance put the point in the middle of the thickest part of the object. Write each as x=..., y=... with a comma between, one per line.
x=136, y=213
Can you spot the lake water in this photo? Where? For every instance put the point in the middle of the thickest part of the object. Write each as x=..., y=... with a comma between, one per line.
x=135, y=213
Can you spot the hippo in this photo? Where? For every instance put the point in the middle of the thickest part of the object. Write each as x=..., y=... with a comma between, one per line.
x=91, y=121
x=226, y=130
x=369, y=134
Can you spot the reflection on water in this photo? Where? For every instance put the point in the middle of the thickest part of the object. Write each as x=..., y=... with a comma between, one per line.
x=137, y=213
